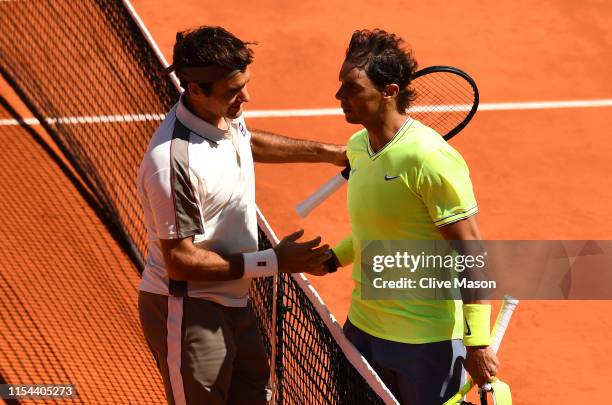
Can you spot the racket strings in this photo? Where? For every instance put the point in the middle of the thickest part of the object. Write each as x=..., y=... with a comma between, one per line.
x=454, y=90
x=443, y=100
x=440, y=95
x=448, y=90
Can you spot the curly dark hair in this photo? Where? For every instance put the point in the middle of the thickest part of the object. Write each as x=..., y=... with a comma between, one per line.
x=210, y=46
x=385, y=60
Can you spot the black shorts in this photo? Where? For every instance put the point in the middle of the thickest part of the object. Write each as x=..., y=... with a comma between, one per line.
x=417, y=374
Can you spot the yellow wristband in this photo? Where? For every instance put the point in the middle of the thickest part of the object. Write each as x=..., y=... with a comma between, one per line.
x=477, y=324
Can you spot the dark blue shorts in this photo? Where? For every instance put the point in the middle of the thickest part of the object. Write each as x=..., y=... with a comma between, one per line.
x=417, y=374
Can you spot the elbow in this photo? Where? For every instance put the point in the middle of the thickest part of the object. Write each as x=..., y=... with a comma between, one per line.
x=175, y=267
x=176, y=274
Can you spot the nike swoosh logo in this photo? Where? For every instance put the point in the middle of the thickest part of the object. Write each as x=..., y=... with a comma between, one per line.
x=468, y=332
x=387, y=177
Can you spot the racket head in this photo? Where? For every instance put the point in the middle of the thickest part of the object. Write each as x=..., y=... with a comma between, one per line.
x=446, y=99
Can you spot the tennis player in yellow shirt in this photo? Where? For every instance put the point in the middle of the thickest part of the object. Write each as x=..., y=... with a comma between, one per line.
x=406, y=183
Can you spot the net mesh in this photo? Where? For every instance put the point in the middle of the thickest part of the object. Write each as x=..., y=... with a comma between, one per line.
x=86, y=72
x=312, y=367
x=67, y=289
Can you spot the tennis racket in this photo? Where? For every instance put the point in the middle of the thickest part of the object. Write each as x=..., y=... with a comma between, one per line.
x=446, y=100
x=501, y=324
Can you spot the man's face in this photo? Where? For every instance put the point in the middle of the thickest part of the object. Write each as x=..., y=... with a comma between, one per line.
x=228, y=95
x=359, y=98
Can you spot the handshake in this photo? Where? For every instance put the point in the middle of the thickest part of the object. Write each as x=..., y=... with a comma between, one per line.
x=305, y=257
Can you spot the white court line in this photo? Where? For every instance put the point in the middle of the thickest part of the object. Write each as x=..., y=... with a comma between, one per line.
x=319, y=112
x=97, y=119
x=528, y=105
x=544, y=105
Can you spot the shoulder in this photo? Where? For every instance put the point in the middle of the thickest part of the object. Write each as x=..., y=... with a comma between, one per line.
x=414, y=144
x=425, y=145
x=358, y=141
x=423, y=140
x=444, y=165
x=157, y=155
x=442, y=158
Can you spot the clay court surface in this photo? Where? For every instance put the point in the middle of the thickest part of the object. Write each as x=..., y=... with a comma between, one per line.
x=538, y=174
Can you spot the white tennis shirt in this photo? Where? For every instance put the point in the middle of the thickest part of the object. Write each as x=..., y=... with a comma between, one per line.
x=198, y=181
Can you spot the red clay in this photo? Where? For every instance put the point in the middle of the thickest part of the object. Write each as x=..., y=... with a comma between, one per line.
x=67, y=289
x=537, y=174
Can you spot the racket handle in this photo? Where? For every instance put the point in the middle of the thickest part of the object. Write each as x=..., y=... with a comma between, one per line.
x=483, y=397
x=499, y=329
x=503, y=319
x=501, y=324
x=327, y=189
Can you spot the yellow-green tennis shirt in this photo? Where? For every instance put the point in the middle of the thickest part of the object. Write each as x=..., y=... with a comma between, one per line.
x=413, y=185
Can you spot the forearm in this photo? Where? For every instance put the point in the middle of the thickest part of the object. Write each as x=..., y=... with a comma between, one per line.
x=204, y=265
x=271, y=148
x=465, y=238
x=476, y=308
x=475, y=271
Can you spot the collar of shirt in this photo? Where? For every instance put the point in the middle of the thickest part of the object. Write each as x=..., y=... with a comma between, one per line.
x=200, y=127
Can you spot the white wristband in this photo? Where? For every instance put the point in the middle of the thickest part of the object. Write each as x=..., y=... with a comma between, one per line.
x=260, y=264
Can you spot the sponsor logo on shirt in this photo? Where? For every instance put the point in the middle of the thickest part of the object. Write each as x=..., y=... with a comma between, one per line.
x=243, y=130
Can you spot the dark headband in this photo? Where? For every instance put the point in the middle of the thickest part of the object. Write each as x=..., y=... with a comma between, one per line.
x=206, y=74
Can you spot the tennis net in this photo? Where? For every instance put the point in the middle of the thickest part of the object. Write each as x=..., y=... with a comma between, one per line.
x=90, y=74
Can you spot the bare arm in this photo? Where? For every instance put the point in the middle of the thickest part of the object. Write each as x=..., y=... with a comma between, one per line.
x=465, y=229
x=481, y=362
x=271, y=148
x=186, y=261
